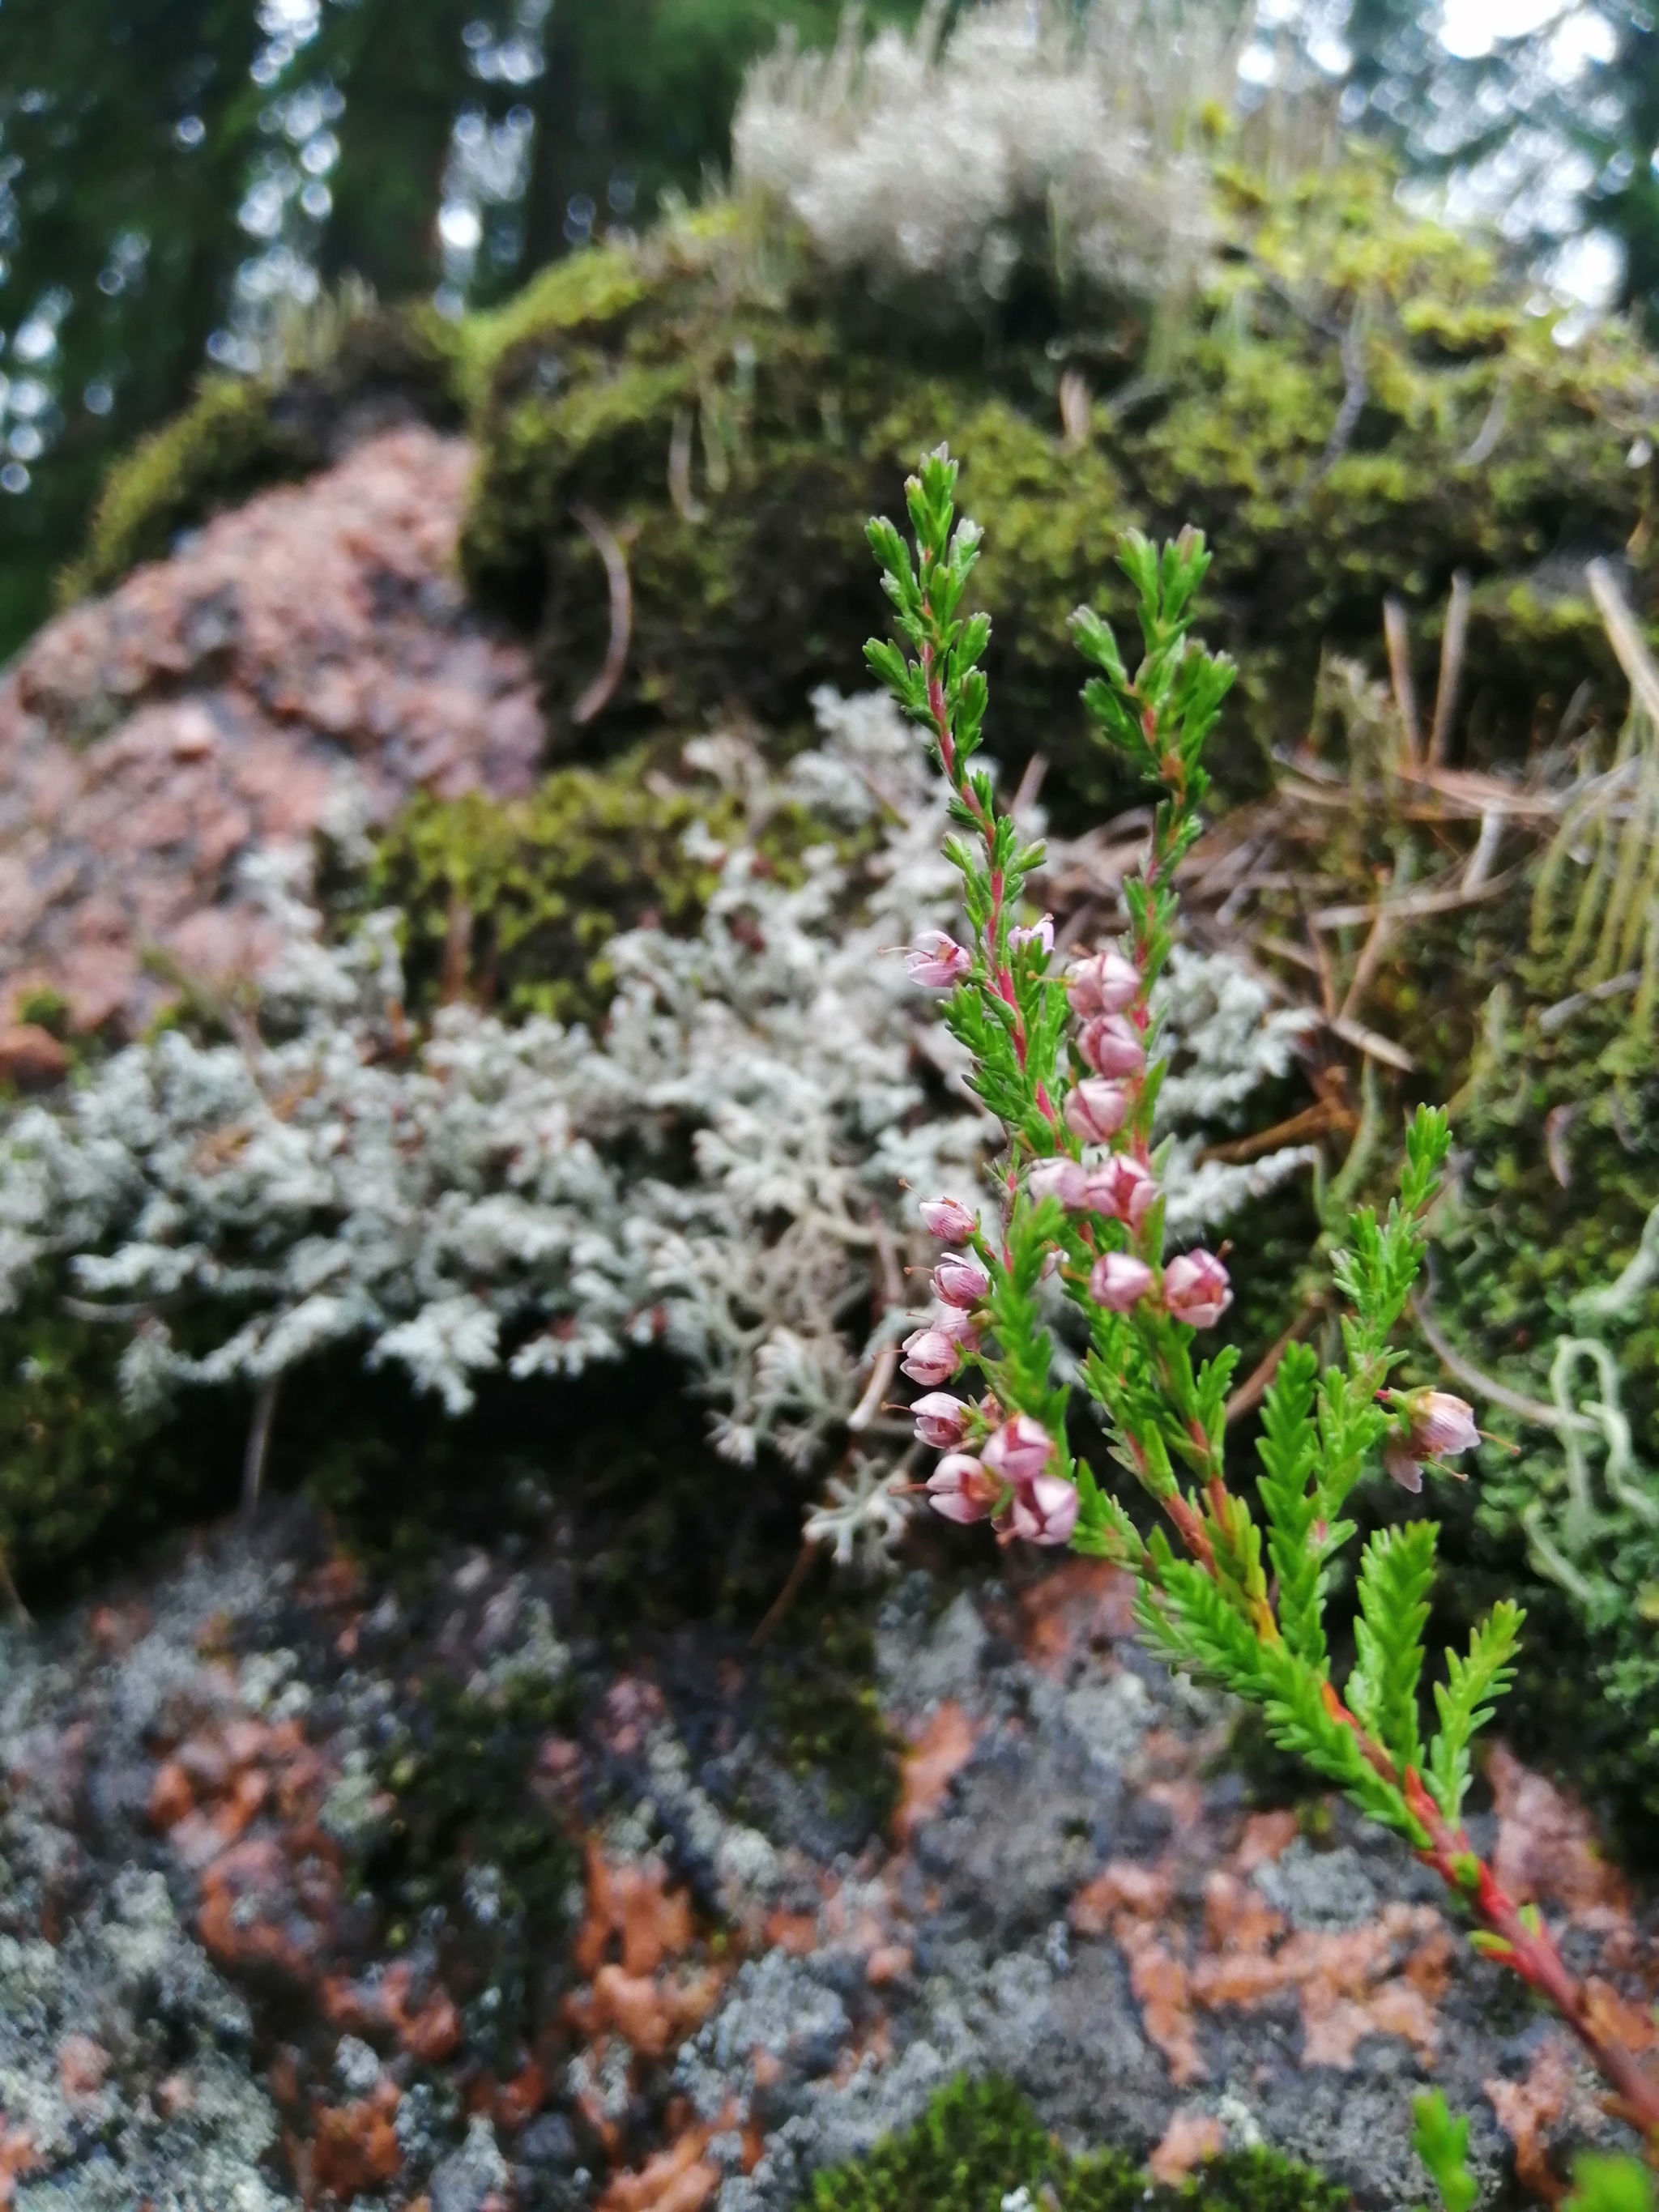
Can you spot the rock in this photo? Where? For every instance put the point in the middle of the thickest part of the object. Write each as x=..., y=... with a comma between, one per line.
x=463, y=2181
x=31, y=1057
x=309, y=656
x=548, y=2143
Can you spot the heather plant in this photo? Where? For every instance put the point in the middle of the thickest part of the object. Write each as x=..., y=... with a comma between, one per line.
x=1441, y=2140
x=1068, y=1065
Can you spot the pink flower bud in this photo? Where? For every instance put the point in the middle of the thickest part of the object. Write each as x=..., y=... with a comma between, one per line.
x=1058, y=1178
x=1440, y=1423
x=1117, y=1279
x=936, y=960
x=961, y=1281
x=960, y=1489
x=941, y=1420
x=931, y=1356
x=1402, y=1468
x=1121, y=1188
x=1105, y=983
x=1096, y=1110
x=1019, y=1450
x=956, y=1322
x=1040, y=934
x=1044, y=1510
x=1111, y=1044
x=1196, y=1289
x=948, y=1219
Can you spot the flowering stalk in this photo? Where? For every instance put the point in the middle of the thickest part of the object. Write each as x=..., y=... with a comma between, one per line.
x=1068, y=1065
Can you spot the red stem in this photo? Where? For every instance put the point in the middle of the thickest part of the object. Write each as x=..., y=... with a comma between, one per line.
x=940, y=711
x=1532, y=1953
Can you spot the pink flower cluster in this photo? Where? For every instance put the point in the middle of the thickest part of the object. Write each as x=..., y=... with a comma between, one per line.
x=1003, y=1470
x=934, y=1352
x=1008, y=1483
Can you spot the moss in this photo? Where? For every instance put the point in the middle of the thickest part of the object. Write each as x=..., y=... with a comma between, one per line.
x=588, y=288
x=520, y=902
x=1514, y=1254
x=80, y=1476
x=517, y=902
x=459, y=1774
x=825, y=1719
x=356, y=366
x=221, y=448
x=1480, y=444
x=978, y=2142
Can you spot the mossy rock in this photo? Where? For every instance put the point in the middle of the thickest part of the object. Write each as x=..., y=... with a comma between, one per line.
x=361, y=370
x=980, y=2143
x=714, y=405
x=80, y=1475
x=1514, y=1252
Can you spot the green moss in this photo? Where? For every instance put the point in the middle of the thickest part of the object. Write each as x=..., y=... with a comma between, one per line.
x=787, y=417
x=594, y=288
x=223, y=446
x=517, y=902
x=1515, y=1254
x=242, y=433
x=520, y=902
x=825, y=1719
x=979, y=2141
x=79, y=1474
x=459, y=1774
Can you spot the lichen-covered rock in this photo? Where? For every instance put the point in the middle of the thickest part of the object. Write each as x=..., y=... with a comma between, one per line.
x=308, y=658
x=126, y=2068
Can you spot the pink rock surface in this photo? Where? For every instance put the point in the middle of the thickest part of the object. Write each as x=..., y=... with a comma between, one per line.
x=222, y=700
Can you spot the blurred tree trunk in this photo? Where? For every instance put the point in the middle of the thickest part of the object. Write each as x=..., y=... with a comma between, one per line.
x=125, y=138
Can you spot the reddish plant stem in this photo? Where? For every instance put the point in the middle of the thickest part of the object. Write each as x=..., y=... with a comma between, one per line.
x=1191, y=1531
x=1532, y=1953
x=1003, y=982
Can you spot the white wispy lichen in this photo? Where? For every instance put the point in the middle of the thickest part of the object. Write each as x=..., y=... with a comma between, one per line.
x=729, y=1165
x=1030, y=133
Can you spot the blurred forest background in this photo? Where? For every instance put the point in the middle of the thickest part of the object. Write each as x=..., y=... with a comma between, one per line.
x=179, y=176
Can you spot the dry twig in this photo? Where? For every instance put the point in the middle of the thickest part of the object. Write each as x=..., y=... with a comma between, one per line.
x=604, y=541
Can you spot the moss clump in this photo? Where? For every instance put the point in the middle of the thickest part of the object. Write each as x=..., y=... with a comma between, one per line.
x=733, y=423
x=823, y=1714
x=979, y=2141
x=222, y=447
x=79, y=1473
x=459, y=1774
x=358, y=367
x=1518, y=1253
x=517, y=904
x=587, y=290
